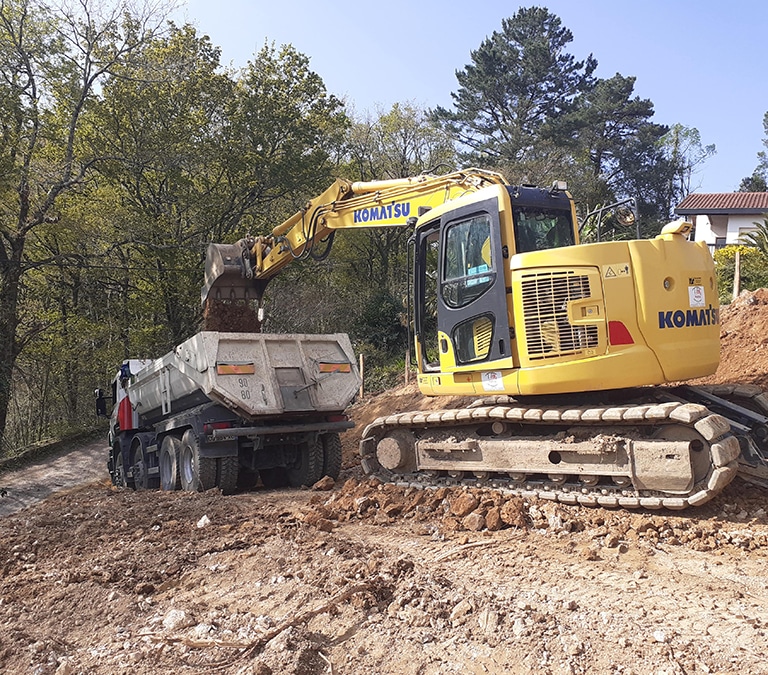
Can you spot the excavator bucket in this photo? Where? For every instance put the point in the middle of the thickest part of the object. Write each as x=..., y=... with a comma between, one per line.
x=228, y=273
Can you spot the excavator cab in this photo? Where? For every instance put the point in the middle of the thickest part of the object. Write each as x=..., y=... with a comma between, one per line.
x=463, y=284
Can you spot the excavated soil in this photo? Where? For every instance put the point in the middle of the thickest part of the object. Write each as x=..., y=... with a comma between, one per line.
x=230, y=316
x=362, y=577
x=744, y=340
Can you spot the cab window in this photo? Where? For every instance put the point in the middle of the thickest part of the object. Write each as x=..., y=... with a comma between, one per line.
x=468, y=265
x=538, y=229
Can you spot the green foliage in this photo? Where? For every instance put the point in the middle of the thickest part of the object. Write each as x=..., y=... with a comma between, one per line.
x=758, y=237
x=284, y=133
x=54, y=60
x=398, y=143
x=382, y=324
x=753, y=269
x=382, y=372
x=520, y=80
x=167, y=153
x=758, y=181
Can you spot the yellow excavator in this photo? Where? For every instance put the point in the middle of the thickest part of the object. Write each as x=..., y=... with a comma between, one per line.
x=565, y=343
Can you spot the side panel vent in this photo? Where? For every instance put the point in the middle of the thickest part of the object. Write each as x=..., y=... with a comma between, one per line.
x=549, y=332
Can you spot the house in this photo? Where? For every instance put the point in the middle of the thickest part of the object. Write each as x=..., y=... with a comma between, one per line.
x=722, y=218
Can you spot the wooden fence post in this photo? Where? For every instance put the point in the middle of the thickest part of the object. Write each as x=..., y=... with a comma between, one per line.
x=362, y=374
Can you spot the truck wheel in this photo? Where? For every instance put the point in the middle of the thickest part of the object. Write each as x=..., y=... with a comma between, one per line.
x=140, y=468
x=275, y=477
x=331, y=455
x=308, y=468
x=197, y=473
x=120, y=477
x=226, y=478
x=169, y=463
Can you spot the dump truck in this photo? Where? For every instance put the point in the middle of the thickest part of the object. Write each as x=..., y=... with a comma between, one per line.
x=222, y=409
x=570, y=347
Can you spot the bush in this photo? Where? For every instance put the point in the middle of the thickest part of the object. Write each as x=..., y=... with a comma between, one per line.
x=381, y=372
x=381, y=324
x=754, y=270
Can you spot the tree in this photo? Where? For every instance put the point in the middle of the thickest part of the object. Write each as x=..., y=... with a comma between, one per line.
x=287, y=134
x=159, y=122
x=398, y=143
x=52, y=63
x=201, y=155
x=519, y=80
x=684, y=152
x=758, y=181
x=608, y=131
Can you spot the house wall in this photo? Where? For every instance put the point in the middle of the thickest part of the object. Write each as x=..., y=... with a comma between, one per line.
x=729, y=227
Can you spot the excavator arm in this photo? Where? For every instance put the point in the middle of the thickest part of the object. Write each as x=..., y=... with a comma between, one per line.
x=243, y=269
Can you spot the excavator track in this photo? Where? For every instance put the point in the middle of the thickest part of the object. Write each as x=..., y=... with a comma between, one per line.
x=664, y=454
x=746, y=408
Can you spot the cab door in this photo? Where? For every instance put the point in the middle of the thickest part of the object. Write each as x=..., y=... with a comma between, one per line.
x=472, y=323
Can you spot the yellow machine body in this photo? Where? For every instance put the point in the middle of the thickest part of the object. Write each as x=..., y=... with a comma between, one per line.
x=506, y=299
x=582, y=317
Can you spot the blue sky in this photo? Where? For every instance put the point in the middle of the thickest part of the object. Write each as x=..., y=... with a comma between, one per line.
x=702, y=63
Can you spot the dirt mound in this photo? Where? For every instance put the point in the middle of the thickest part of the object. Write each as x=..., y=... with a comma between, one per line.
x=744, y=340
x=447, y=509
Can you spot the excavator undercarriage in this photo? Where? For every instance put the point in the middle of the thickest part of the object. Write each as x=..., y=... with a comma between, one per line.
x=666, y=447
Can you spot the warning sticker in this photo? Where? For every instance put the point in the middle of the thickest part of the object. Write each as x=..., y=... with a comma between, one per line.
x=492, y=381
x=696, y=297
x=616, y=271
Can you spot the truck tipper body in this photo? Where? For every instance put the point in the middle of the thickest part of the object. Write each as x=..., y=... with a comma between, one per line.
x=223, y=409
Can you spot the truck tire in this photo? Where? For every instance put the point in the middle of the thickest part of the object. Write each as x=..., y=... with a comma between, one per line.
x=197, y=473
x=120, y=475
x=170, y=478
x=227, y=471
x=331, y=455
x=140, y=462
x=308, y=468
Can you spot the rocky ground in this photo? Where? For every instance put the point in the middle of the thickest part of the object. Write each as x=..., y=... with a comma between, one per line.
x=370, y=578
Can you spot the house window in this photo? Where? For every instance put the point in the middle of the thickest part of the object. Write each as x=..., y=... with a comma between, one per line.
x=719, y=242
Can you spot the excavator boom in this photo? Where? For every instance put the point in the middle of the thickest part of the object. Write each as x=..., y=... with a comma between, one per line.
x=242, y=270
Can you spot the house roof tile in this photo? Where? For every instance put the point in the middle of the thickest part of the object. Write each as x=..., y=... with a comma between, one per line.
x=723, y=202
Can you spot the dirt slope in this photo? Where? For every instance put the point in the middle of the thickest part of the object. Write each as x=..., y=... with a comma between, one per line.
x=744, y=340
x=369, y=578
